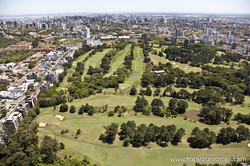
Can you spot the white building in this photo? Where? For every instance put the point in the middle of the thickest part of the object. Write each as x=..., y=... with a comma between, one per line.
x=64, y=26
x=86, y=33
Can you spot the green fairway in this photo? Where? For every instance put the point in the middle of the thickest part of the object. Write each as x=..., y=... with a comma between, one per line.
x=137, y=68
x=64, y=84
x=94, y=61
x=219, y=53
x=88, y=144
x=185, y=67
x=118, y=60
x=81, y=58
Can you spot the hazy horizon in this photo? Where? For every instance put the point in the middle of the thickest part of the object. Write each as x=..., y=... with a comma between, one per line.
x=49, y=7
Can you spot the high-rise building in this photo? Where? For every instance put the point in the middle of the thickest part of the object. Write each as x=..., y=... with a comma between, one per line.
x=64, y=26
x=174, y=40
x=179, y=32
x=234, y=45
x=228, y=33
x=85, y=42
x=86, y=33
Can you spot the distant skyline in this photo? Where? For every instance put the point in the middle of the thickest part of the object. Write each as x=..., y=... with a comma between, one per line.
x=36, y=7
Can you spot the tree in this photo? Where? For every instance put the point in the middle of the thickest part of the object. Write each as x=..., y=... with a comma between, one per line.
x=72, y=109
x=64, y=108
x=156, y=107
x=78, y=132
x=214, y=115
x=239, y=98
x=172, y=104
x=140, y=104
x=35, y=42
x=148, y=91
x=81, y=110
x=110, y=133
x=227, y=135
x=201, y=139
x=243, y=133
x=111, y=113
x=62, y=145
x=91, y=111
x=133, y=91
x=157, y=92
x=168, y=91
x=178, y=135
x=49, y=147
x=182, y=106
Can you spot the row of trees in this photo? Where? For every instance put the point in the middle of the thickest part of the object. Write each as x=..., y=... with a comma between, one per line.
x=142, y=135
x=197, y=54
x=90, y=110
x=174, y=108
x=205, y=138
x=214, y=114
x=241, y=118
x=229, y=79
x=22, y=147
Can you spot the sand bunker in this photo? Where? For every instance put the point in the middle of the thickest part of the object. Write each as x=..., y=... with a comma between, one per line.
x=42, y=124
x=60, y=117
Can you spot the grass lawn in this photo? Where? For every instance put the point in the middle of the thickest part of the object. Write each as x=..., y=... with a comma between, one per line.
x=94, y=60
x=81, y=58
x=137, y=68
x=118, y=60
x=219, y=53
x=88, y=144
x=65, y=84
x=91, y=127
x=185, y=67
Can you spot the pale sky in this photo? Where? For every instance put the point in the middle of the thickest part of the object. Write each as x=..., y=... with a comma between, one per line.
x=22, y=7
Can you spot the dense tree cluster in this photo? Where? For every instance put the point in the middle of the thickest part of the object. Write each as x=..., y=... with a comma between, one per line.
x=214, y=114
x=231, y=57
x=49, y=98
x=22, y=147
x=201, y=138
x=242, y=118
x=140, y=104
x=4, y=42
x=205, y=138
x=90, y=110
x=15, y=55
x=197, y=54
x=176, y=107
x=129, y=58
x=110, y=133
x=229, y=134
x=142, y=135
x=157, y=107
x=92, y=84
x=233, y=82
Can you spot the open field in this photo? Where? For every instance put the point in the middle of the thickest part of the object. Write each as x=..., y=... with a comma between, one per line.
x=88, y=144
x=91, y=127
x=137, y=69
x=64, y=84
x=118, y=60
x=185, y=67
x=94, y=61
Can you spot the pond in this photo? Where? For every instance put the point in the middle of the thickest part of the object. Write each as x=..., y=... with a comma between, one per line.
x=134, y=74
